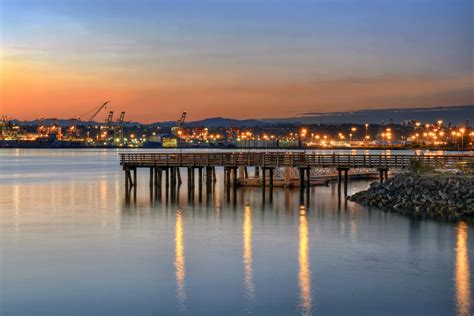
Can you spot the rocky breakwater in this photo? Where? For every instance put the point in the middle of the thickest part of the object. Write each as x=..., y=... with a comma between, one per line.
x=434, y=195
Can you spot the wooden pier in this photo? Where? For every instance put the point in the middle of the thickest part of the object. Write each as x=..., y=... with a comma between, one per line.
x=236, y=164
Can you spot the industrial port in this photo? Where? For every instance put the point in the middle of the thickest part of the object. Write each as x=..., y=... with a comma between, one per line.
x=101, y=127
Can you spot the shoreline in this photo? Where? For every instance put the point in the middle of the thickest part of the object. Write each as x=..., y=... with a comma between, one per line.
x=432, y=195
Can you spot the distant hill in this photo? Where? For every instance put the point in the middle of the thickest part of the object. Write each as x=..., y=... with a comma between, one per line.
x=455, y=115
x=65, y=122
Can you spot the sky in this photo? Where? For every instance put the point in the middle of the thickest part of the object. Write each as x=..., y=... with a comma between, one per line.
x=231, y=58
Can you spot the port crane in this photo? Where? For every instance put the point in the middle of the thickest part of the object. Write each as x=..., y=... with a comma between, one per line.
x=73, y=131
x=109, y=118
x=180, y=122
x=118, y=129
x=178, y=129
x=95, y=111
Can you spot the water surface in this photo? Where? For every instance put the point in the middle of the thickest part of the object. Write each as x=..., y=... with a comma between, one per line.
x=71, y=244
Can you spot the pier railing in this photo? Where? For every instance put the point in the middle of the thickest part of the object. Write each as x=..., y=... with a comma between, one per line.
x=294, y=159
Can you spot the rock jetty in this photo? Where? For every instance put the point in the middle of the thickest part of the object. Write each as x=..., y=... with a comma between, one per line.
x=433, y=195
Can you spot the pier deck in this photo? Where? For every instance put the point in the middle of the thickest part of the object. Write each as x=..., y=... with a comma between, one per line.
x=295, y=160
x=264, y=165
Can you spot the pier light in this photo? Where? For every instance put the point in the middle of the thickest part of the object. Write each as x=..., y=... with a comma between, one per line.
x=440, y=122
x=417, y=124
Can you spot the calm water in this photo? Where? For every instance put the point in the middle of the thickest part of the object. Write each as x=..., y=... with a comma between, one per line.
x=72, y=245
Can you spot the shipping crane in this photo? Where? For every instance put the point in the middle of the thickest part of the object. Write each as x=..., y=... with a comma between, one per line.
x=109, y=118
x=95, y=111
x=178, y=129
x=74, y=130
x=118, y=129
x=181, y=120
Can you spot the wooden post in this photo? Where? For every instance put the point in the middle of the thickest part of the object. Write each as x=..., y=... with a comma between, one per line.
x=189, y=177
x=200, y=178
x=308, y=178
x=257, y=172
x=263, y=177
x=167, y=175
x=159, y=176
x=246, y=172
x=126, y=178
x=135, y=178
x=235, y=176
x=386, y=174
x=227, y=176
x=179, y=175
x=345, y=181
x=381, y=175
x=271, y=178
x=151, y=176
x=301, y=178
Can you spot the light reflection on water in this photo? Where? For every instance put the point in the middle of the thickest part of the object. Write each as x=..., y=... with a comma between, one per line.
x=304, y=275
x=180, y=262
x=75, y=246
x=462, y=272
x=247, y=256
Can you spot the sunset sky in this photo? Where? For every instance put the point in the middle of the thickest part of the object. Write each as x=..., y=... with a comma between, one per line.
x=239, y=59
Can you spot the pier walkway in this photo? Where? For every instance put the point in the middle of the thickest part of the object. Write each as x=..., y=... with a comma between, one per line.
x=235, y=165
x=280, y=159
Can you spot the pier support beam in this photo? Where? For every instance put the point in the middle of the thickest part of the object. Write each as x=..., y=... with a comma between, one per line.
x=135, y=178
x=346, y=171
x=127, y=178
x=271, y=178
x=152, y=171
x=308, y=178
x=227, y=172
x=302, y=172
x=178, y=173
x=383, y=172
x=235, y=177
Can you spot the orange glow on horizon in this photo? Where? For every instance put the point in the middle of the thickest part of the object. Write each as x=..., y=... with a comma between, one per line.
x=31, y=90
